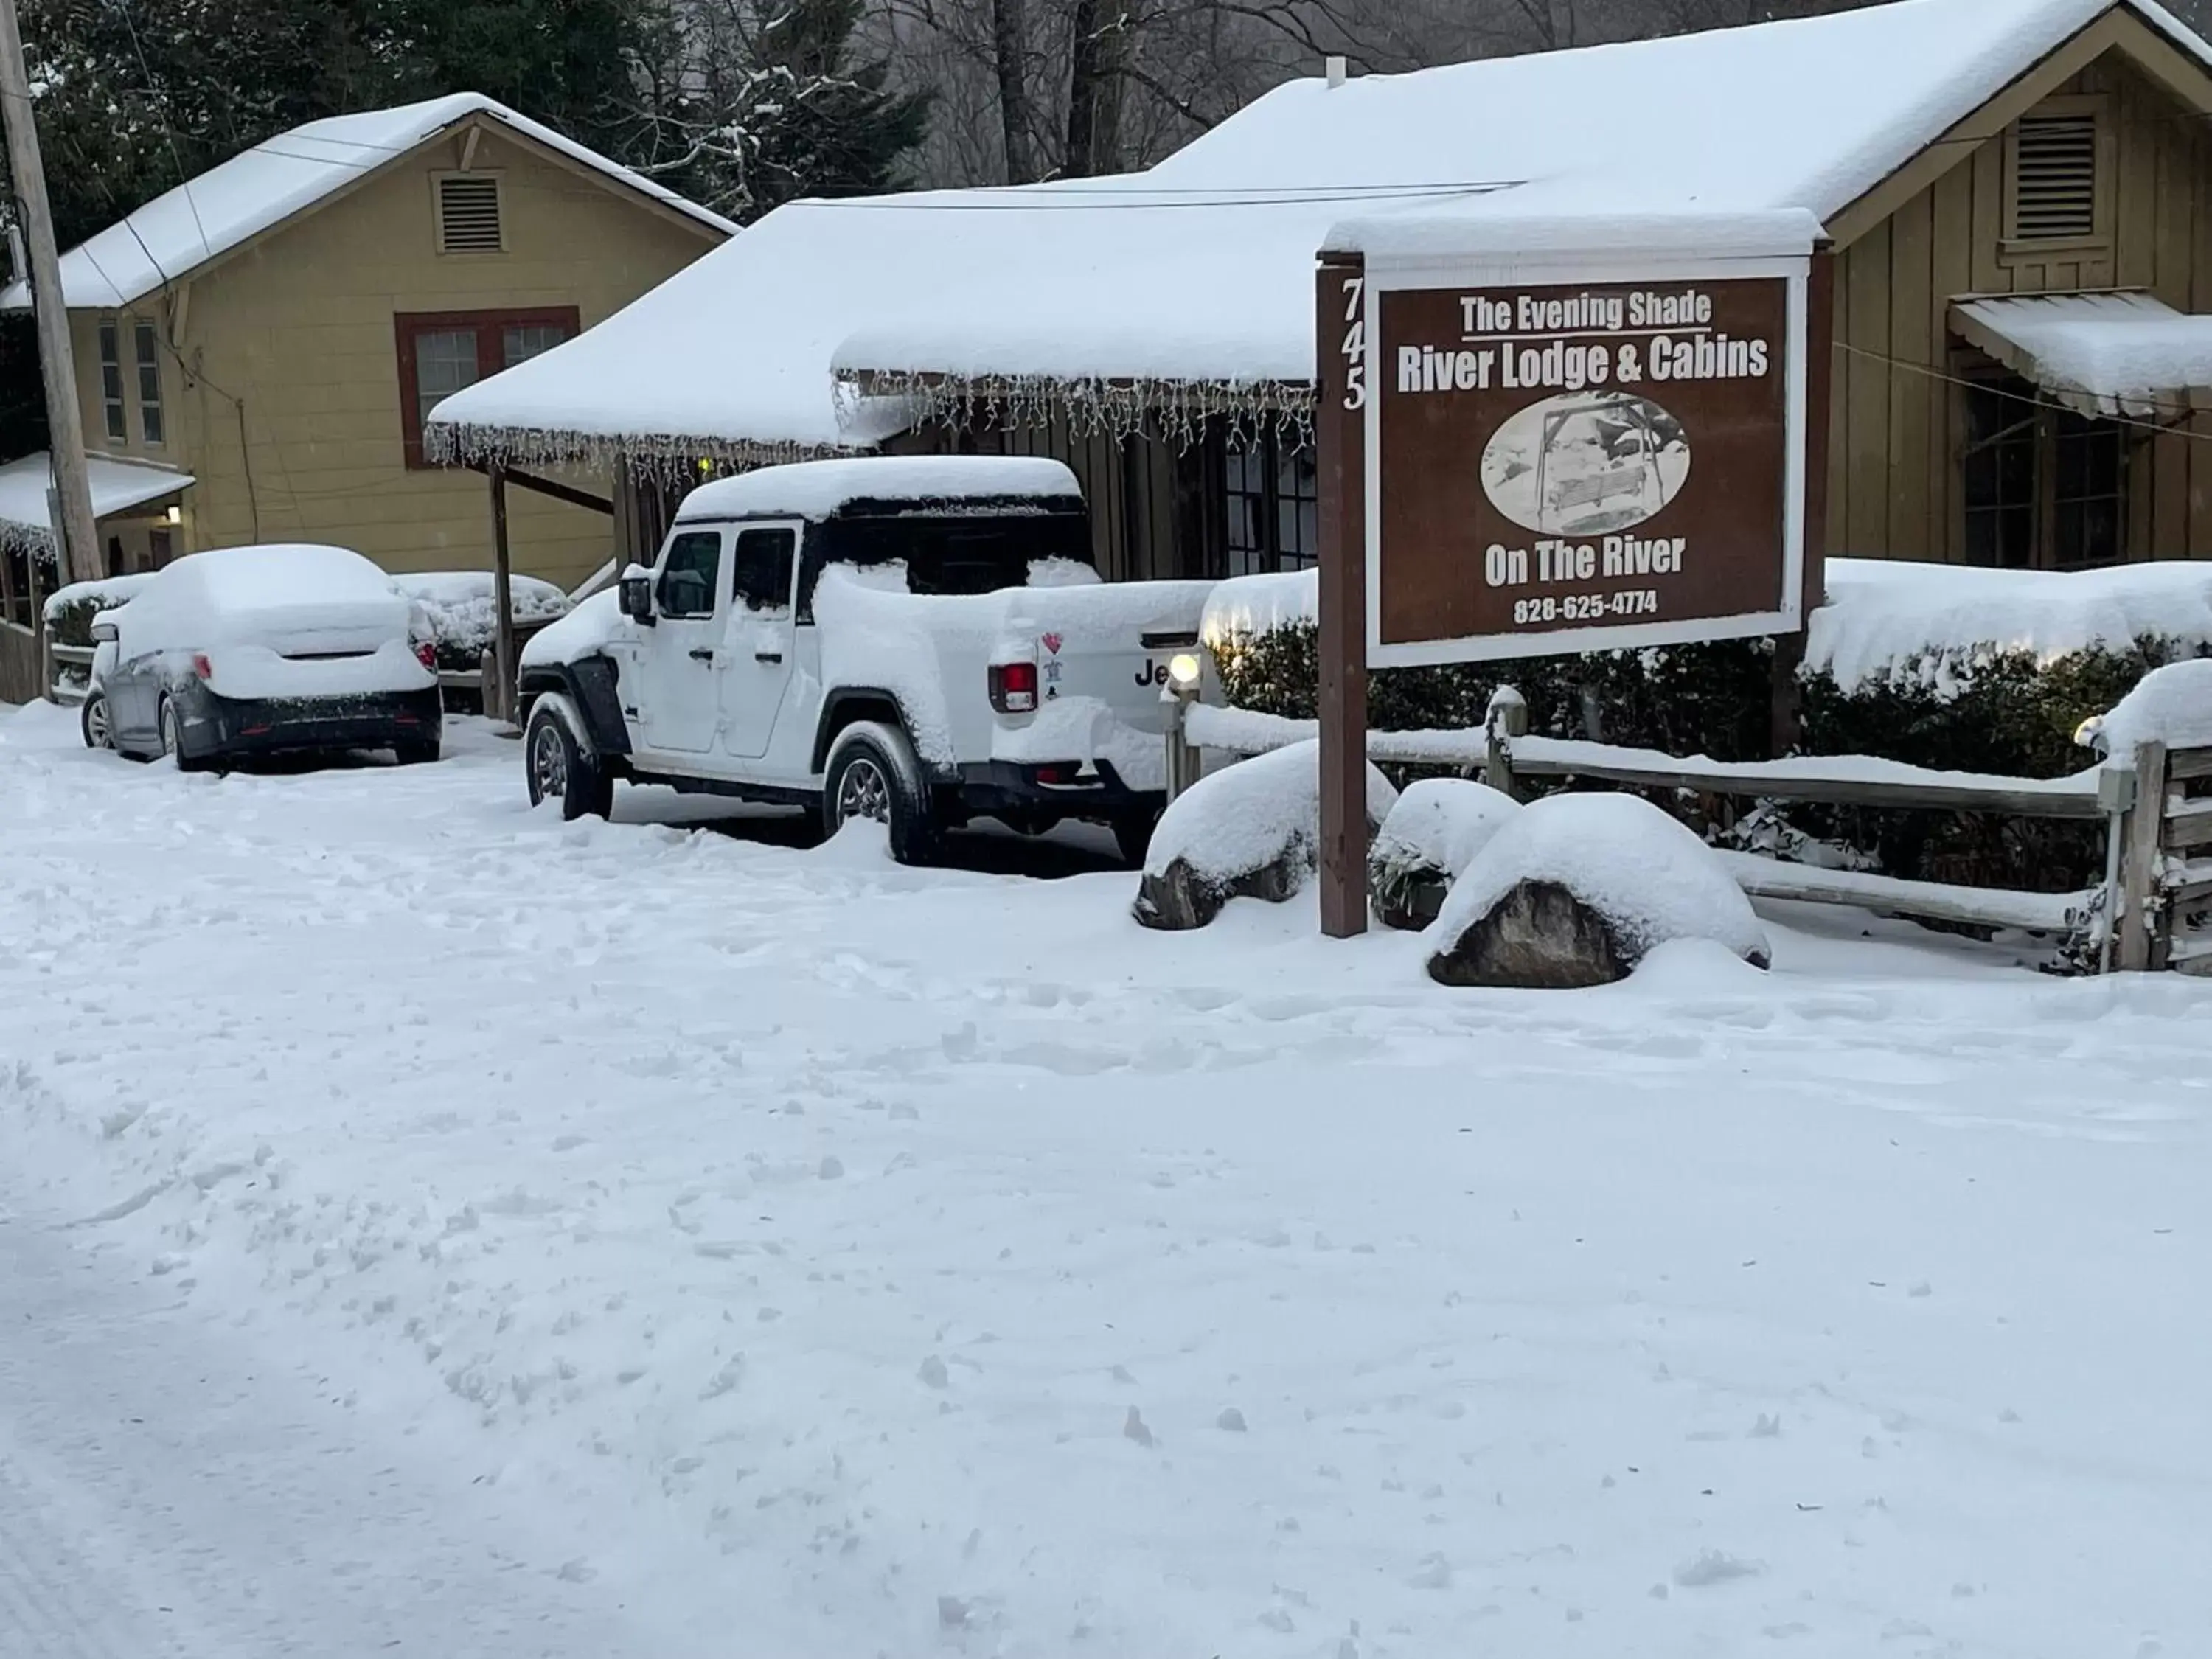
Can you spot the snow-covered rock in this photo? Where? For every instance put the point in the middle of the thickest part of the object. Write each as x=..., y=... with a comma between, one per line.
x=2171, y=705
x=1251, y=830
x=1432, y=834
x=1575, y=889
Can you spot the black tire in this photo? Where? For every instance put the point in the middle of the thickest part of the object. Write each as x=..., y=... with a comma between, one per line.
x=93, y=720
x=423, y=751
x=172, y=739
x=558, y=768
x=872, y=774
x=1134, y=837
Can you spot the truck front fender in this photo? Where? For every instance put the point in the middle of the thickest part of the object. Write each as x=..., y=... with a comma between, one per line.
x=592, y=685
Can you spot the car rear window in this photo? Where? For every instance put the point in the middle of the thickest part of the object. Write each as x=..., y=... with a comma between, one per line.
x=958, y=555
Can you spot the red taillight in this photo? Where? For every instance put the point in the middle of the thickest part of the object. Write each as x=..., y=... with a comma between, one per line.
x=1014, y=687
x=202, y=668
x=426, y=654
x=1059, y=772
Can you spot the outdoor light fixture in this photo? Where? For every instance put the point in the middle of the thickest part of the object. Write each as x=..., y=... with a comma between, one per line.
x=1180, y=691
x=175, y=515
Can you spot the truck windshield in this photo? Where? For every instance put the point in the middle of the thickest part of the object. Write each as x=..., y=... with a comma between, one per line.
x=959, y=554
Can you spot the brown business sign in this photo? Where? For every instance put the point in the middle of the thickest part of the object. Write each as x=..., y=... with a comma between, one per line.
x=1603, y=461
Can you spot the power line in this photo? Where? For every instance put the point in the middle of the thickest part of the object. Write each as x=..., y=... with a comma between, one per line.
x=2182, y=410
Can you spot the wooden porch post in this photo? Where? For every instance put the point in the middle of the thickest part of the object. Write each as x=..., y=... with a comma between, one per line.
x=502, y=600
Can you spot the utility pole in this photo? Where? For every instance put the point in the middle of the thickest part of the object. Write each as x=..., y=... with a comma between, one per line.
x=77, y=542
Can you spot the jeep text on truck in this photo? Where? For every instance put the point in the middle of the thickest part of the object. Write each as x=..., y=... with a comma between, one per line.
x=921, y=641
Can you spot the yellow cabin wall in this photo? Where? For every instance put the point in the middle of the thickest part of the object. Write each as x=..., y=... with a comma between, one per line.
x=1896, y=427
x=297, y=331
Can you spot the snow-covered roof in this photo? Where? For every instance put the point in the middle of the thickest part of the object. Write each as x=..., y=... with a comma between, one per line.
x=117, y=485
x=2106, y=353
x=262, y=186
x=815, y=489
x=1190, y=288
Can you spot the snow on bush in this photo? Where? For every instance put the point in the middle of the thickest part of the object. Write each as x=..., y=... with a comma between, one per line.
x=2171, y=705
x=1892, y=621
x=69, y=611
x=463, y=613
x=1261, y=604
x=1431, y=835
x=1243, y=817
x=1645, y=875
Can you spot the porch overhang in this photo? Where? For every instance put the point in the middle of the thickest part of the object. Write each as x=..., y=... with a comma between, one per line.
x=2107, y=354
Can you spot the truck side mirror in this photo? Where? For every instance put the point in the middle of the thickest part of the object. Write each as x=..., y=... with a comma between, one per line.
x=104, y=631
x=637, y=595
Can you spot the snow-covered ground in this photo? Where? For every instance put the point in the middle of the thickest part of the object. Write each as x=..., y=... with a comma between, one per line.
x=770, y=1251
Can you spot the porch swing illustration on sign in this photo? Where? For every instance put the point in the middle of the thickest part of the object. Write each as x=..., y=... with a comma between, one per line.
x=1585, y=462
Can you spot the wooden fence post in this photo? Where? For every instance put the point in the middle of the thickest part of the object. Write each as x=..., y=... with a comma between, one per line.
x=1506, y=718
x=2139, y=944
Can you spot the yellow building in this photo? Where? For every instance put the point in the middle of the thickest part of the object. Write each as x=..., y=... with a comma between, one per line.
x=277, y=327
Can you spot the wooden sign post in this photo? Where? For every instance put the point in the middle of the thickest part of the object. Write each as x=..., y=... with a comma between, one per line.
x=1534, y=455
x=1341, y=435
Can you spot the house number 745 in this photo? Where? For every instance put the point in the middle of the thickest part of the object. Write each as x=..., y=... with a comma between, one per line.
x=1355, y=344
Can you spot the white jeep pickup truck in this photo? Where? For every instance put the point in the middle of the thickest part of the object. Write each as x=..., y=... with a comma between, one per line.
x=922, y=642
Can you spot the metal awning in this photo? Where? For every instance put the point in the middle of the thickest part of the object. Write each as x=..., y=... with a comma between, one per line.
x=2111, y=353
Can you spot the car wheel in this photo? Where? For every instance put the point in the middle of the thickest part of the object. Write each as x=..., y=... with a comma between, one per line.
x=95, y=722
x=172, y=739
x=872, y=774
x=421, y=752
x=559, y=769
x=1134, y=837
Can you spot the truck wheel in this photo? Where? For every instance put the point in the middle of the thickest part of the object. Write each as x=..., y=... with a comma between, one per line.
x=99, y=731
x=1135, y=837
x=560, y=770
x=872, y=774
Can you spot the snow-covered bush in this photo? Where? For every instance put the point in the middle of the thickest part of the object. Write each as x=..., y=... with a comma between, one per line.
x=2171, y=705
x=1432, y=834
x=1250, y=830
x=1575, y=890
x=69, y=611
x=1953, y=668
x=462, y=615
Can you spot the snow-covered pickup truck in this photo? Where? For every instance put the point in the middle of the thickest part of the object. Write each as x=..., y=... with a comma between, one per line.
x=922, y=642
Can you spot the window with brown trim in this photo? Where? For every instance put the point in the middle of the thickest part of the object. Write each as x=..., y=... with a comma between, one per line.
x=2043, y=487
x=442, y=351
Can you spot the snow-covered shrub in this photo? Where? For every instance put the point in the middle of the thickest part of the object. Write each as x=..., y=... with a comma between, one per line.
x=2171, y=705
x=1575, y=890
x=1250, y=830
x=1431, y=835
x=69, y=611
x=2008, y=704
x=463, y=613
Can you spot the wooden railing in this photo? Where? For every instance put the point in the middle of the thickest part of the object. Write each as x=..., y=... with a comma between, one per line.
x=22, y=670
x=2166, y=862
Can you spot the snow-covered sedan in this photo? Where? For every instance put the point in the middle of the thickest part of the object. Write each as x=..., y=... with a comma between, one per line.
x=263, y=650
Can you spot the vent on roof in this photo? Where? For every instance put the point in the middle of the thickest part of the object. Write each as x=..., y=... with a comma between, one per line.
x=2054, y=178
x=468, y=213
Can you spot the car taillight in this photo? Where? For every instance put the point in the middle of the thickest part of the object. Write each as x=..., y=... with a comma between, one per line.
x=1014, y=687
x=426, y=654
x=202, y=668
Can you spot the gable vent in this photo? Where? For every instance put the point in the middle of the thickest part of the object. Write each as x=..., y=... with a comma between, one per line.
x=468, y=214
x=2055, y=179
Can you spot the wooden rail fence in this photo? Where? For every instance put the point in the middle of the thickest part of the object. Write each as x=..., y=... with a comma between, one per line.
x=2160, y=895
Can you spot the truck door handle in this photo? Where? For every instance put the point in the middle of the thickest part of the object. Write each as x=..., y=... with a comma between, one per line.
x=701, y=653
x=767, y=656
